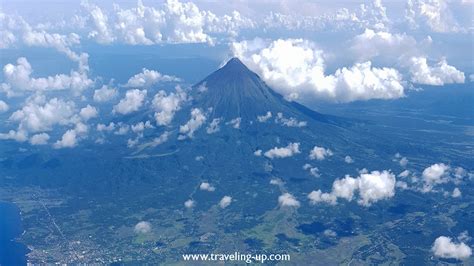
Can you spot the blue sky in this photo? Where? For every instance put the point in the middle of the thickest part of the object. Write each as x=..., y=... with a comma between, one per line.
x=85, y=54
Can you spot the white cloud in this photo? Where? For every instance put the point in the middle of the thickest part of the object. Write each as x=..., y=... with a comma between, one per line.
x=3, y=107
x=314, y=171
x=71, y=137
x=372, y=15
x=283, y=152
x=19, y=135
x=296, y=69
x=161, y=139
x=88, y=112
x=101, y=33
x=166, y=105
x=206, y=186
x=437, y=75
x=433, y=14
x=213, y=126
x=264, y=118
x=142, y=228
x=444, y=247
x=348, y=159
x=104, y=94
x=34, y=117
x=316, y=196
x=16, y=29
x=257, y=153
x=319, y=153
x=103, y=127
x=371, y=187
x=68, y=140
x=140, y=127
x=276, y=182
x=456, y=193
x=288, y=200
x=171, y=22
x=148, y=78
x=39, y=139
x=189, y=203
x=132, y=102
x=235, y=122
x=433, y=175
x=225, y=202
x=405, y=173
x=401, y=185
x=122, y=129
x=195, y=122
x=376, y=186
x=289, y=122
x=18, y=78
x=372, y=44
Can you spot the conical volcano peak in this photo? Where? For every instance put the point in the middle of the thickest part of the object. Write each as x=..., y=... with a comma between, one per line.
x=235, y=67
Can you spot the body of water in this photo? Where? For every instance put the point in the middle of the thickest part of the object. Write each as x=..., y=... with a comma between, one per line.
x=11, y=252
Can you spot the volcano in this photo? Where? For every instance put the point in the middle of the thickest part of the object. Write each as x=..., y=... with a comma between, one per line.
x=240, y=118
x=235, y=91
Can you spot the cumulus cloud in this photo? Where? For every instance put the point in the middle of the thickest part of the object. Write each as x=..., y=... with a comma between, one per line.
x=122, y=129
x=141, y=126
x=16, y=29
x=195, y=122
x=3, y=107
x=288, y=200
x=433, y=175
x=104, y=94
x=348, y=159
x=189, y=203
x=289, y=122
x=88, y=112
x=206, y=186
x=314, y=171
x=370, y=44
x=71, y=137
x=148, y=78
x=235, y=123
x=39, y=139
x=319, y=153
x=171, y=22
x=68, y=140
x=101, y=32
x=166, y=105
x=434, y=15
x=371, y=14
x=142, y=228
x=264, y=118
x=213, y=126
x=132, y=102
x=35, y=116
x=18, y=78
x=456, y=193
x=371, y=187
x=283, y=152
x=103, y=127
x=445, y=247
x=225, y=202
x=18, y=135
x=296, y=69
x=437, y=75
x=160, y=140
